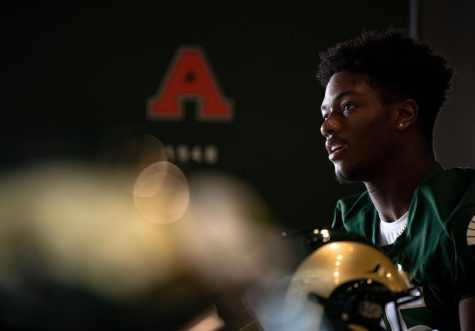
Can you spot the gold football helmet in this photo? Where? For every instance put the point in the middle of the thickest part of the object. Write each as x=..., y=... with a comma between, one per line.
x=345, y=285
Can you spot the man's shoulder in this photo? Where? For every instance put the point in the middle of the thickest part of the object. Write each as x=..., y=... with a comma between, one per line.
x=450, y=190
x=447, y=202
x=456, y=178
x=354, y=201
x=351, y=213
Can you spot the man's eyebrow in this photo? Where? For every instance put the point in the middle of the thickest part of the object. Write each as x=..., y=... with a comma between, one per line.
x=338, y=97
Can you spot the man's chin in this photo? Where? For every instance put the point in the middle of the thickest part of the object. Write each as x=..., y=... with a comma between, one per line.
x=346, y=177
x=343, y=180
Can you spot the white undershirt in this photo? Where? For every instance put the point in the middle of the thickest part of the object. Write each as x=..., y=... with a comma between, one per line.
x=390, y=231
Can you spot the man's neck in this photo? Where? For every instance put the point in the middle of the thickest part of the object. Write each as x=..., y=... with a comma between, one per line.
x=392, y=193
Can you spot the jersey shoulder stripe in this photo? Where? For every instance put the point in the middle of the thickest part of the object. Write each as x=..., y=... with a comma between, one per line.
x=471, y=232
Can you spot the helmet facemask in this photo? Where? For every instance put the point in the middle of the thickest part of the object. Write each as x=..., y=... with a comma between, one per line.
x=350, y=284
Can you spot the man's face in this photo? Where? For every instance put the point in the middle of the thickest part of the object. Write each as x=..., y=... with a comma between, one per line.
x=359, y=128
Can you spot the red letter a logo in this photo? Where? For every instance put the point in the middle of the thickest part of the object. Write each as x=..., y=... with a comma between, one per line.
x=189, y=76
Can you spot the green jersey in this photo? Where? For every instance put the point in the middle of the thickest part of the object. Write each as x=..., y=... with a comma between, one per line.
x=437, y=248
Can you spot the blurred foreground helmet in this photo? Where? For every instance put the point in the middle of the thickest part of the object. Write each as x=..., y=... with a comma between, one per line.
x=345, y=285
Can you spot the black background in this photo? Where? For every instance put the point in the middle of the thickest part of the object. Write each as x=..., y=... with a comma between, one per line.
x=74, y=72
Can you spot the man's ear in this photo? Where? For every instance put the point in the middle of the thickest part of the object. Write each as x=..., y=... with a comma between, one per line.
x=406, y=113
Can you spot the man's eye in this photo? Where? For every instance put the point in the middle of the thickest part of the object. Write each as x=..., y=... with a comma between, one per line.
x=325, y=116
x=348, y=106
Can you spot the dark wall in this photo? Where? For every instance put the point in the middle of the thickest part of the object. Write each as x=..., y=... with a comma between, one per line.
x=77, y=78
x=76, y=72
x=450, y=27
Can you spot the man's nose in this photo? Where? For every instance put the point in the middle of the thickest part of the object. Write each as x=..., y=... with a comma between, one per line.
x=330, y=126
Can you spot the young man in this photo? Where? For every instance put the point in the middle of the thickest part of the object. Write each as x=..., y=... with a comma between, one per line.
x=383, y=93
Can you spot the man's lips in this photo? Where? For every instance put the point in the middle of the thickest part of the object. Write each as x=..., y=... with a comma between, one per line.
x=334, y=148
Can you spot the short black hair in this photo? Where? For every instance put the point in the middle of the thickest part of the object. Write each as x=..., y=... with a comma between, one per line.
x=398, y=66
